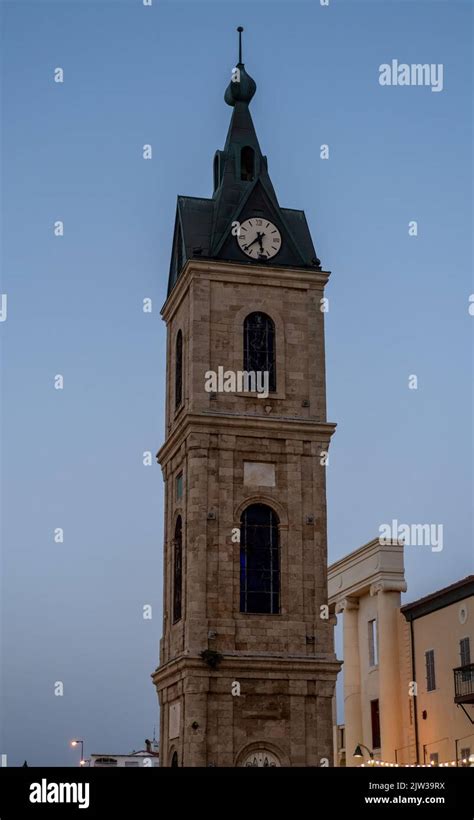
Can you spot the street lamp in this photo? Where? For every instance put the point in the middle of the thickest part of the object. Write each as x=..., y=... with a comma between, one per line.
x=358, y=751
x=76, y=743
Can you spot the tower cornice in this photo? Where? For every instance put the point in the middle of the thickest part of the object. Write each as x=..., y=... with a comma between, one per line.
x=247, y=274
x=250, y=425
x=249, y=666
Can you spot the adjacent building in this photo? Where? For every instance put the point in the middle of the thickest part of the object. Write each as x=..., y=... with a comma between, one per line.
x=408, y=676
x=148, y=757
x=441, y=640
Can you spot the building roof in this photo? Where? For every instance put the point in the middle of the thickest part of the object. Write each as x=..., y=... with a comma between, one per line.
x=140, y=753
x=439, y=599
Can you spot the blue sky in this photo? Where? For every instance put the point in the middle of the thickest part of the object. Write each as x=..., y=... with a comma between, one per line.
x=72, y=612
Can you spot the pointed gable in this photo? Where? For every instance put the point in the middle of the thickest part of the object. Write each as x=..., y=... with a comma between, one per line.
x=242, y=190
x=258, y=202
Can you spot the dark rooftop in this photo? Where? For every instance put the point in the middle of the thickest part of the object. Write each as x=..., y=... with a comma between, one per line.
x=439, y=599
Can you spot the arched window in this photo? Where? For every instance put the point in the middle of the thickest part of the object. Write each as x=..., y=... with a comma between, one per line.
x=177, y=569
x=247, y=164
x=178, y=383
x=259, y=346
x=259, y=560
x=174, y=760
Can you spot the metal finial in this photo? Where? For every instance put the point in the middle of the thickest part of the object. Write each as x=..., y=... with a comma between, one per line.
x=240, y=30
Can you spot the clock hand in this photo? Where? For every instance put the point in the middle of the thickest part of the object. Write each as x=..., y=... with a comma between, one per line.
x=257, y=238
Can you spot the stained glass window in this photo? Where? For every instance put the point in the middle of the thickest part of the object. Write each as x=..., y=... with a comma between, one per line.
x=259, y=346
x=259, y=560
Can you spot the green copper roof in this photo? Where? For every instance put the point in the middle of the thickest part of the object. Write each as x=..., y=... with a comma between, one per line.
x=242, y=188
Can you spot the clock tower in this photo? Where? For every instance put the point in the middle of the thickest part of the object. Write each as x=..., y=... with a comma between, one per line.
x=247, y=666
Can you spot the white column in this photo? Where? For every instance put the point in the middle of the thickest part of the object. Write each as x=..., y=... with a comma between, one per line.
x=388, y=605
x=352, y=682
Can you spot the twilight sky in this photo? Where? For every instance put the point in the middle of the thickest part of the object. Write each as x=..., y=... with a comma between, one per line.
x=72, y=458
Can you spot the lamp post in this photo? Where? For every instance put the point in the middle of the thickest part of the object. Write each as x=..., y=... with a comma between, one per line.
x=76, y=743
x=358, y=751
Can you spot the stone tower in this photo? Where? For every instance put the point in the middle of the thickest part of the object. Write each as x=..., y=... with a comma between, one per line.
x=247, y=665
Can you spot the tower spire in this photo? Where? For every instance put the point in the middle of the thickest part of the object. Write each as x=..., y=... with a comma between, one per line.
x=240, y=30
x=241, y=87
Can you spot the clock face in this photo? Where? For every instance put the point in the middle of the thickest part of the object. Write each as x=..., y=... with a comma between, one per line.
x=261, y=758
x=259, y=238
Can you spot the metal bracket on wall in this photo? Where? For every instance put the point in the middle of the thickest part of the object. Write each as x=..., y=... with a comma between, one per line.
x=466, y=713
